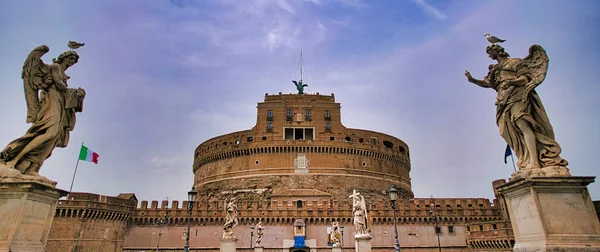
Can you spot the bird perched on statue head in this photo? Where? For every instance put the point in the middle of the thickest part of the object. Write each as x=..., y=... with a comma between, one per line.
x=493, y=39
x=74, y=44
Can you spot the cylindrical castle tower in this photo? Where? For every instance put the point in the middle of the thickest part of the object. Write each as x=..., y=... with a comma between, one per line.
x=300, y=147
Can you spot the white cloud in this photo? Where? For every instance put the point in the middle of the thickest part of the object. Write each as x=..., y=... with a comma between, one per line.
x=430, y=9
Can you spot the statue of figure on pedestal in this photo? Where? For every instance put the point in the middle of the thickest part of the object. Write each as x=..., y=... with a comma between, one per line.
x=359, y=210
x=335, y=236
x=520, y=115
x=260, y=231
x=231, y=212
x=51, y=108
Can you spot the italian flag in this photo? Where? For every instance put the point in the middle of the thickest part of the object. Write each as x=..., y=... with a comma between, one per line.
x=88, y=155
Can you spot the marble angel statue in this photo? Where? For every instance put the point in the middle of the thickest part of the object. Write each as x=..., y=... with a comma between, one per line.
x=520, y=115
x=231, y=221
x=51, y=108
x=361, y=218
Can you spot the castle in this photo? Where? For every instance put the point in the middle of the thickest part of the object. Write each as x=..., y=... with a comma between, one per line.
x=297, y=166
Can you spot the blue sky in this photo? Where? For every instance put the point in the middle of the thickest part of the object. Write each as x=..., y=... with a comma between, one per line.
x=164, y=76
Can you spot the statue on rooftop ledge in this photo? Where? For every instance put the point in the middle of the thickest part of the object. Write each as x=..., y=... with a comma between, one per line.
x=520, y=115
x=300, y=86
x=51, y=108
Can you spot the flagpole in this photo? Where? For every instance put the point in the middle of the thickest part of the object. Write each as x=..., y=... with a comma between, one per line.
x=73, y=180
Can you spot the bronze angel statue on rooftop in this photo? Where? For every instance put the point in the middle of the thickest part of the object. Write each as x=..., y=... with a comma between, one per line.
x=520, y=115
x=51, y=108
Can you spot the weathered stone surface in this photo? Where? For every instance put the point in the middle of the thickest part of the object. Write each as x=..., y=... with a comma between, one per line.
x=26, y=214
x=362, y=244
x=228, y=244
x=552, y=213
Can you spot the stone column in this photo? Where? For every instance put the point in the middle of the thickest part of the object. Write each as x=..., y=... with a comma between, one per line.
x=552, y=213
x=27, y=209
x=363, y=243
x=228, y=244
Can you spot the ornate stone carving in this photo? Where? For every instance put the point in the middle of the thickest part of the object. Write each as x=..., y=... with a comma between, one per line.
x=520, y=115
x=260, y=231
x=361, y=218
x=51, y=108
x=231, y=212
x=335, y=236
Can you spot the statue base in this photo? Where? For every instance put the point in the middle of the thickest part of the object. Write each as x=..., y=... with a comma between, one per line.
x=336, y=249
x=258, y=249
x=552, y=214
x=27, y=209
x=362, y=243
x=549, y=171
x=228, y=244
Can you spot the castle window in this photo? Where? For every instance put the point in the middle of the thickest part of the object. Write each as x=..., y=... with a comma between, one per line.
x=361, y=140
x=249, y=139
x=332, y=138
x=327, y=115
x=237, y=141
x=470, y=205
x=480, y=227
x=269, y=126
x=269, y=115
x=481, y=205
x=327, y=126
x=308, y=115
x=451, y=229
x=348, y=139
x=288, y=115
x=494, y=226
x=289, y=133
x=373, y=141
x=308, y=134
x=298, y=134
x=402, y=150
x=459, y=206
x=388, y=144
x=264, y=138
x=299, y=204
x=438, y=230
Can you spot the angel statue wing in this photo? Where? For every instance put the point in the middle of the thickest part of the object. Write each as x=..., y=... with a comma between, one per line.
x=536, y=67
x=363, y=205
x=35, y=77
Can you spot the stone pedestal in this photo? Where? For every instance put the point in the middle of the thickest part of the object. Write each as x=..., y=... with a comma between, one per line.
x=362, y=244
x=26, y=213
x=552, y=214
x=228, y=244
x=258, y=249
x=336, y=249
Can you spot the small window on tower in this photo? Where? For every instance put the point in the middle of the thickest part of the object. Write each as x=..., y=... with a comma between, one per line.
x=327, y=126
x=269, y=126
x=299, y=204
x=288, y=115
x=270, y=115
x=327, y=115
x=308, y=115
x=289, y=133
x=308, y=134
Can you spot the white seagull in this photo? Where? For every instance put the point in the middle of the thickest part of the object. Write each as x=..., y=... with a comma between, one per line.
x=493, y=39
